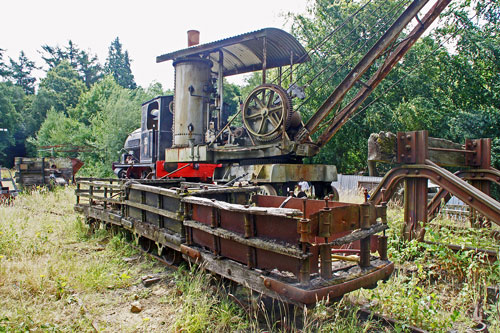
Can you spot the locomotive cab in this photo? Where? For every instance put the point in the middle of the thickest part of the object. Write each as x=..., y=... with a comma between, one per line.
x=156, y=129
x=146, y=145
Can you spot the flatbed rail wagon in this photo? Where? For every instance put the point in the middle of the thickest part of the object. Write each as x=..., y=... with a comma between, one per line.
x=283, y=247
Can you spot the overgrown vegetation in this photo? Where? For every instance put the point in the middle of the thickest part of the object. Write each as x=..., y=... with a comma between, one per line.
x=54, y=275
x=434, y=287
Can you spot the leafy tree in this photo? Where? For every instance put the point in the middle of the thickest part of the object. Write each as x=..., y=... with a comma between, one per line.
x=232, y=96
x=63, y=83
x=86, y=64
x=9, y=121
x=118, y=65
x=251, y=82
x=91, y=102
x=59, y=129
x=120, y=111
x=53, y=55
x=103, y=118
x=20, y=73
x=89, y=68
x=60, y=89
x=156, y=89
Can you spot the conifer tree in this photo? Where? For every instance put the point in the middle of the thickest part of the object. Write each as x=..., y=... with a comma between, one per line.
x=118, y=65
x=20, y=73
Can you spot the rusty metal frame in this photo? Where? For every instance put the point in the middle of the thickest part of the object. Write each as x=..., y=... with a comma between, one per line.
x=412, y=150
x=444, y=178
x=257, y=242
x=491, y=175
x=311, y=296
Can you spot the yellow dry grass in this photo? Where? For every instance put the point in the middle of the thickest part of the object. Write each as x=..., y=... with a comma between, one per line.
x=53, y=276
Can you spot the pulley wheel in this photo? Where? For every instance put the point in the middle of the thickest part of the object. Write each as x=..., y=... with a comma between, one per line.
x=266, y=111
x=267, y=189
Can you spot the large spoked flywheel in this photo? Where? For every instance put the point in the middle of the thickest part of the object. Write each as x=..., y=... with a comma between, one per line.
x=266, y=111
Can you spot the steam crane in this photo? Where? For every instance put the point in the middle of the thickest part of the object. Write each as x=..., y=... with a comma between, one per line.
x=190, y=134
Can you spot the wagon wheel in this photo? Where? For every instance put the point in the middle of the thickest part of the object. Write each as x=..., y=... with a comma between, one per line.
x=146, y=244
x=266, y=110
x=171, y=256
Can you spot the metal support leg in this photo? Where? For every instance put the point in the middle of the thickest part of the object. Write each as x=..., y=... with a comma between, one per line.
x=325, y=252
x=415, y=206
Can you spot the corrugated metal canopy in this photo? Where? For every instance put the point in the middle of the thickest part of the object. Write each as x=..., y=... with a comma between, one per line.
x=244, y=53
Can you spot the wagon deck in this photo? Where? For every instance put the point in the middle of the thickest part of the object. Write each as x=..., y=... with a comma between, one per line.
x=285, y=248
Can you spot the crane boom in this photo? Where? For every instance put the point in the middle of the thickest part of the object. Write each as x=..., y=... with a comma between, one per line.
x=393, y=58
x=364, y=64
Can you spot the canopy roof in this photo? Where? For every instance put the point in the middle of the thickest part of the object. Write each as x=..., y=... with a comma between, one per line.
x=244, y=53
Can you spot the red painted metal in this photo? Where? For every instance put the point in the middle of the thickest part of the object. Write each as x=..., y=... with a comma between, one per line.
x=312, y=206
x=201, y=171
x=136, y=172
x=343, y=220
x=238, y=252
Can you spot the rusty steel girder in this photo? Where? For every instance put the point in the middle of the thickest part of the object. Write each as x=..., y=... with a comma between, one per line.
x=311, y=296
x=445, y=179
x=357, y=73
x=482, y=175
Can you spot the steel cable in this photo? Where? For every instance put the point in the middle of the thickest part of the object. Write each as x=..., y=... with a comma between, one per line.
x=328, y=36
x=410, y=72
x=383, y=25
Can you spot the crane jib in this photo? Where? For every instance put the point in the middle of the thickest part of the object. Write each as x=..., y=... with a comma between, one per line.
x=364, y=64
x=343, y=115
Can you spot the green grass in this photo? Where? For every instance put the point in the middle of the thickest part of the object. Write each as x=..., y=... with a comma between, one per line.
x=55, y=276
x=435, y=288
